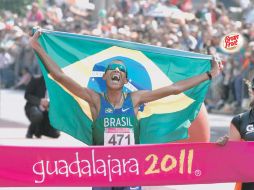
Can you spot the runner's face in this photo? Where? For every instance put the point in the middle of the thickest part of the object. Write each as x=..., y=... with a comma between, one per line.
x=115, y=76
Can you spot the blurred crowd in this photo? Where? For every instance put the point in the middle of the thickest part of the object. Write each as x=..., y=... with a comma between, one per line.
x=178, y=24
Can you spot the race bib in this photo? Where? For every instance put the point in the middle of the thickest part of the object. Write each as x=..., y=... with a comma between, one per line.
x=118, y=136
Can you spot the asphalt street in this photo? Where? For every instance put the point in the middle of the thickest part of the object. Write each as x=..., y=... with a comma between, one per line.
x=13, y=126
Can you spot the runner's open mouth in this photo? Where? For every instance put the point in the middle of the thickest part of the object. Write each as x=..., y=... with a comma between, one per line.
x=115, y=77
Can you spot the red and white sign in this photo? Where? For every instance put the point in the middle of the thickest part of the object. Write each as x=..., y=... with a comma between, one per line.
x=232, y=43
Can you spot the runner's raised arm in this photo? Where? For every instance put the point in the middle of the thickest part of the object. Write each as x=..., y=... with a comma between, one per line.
x=144, y=96
x=86, y=94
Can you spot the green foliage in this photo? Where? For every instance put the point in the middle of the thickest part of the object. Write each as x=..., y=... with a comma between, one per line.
x=15, y=6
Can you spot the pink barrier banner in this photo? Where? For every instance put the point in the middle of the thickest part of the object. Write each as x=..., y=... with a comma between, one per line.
x=165, y=164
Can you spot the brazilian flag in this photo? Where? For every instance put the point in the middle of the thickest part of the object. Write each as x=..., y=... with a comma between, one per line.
x=84, y=59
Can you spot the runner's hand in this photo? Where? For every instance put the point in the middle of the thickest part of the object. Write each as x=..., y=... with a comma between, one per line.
x=216, y=66
x=34, y=39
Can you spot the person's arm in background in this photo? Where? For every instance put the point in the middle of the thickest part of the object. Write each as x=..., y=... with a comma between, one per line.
x=233, y=135
x=24, y=80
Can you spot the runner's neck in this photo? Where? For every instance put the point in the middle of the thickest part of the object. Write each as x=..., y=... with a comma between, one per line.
x=116, y=99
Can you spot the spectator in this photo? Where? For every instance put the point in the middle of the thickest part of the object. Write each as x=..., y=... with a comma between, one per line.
x=35, y=16
x=36, y=110
x=242, y=129
x=6, y=72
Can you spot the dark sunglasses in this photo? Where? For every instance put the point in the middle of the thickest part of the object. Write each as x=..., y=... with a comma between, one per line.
x=114, y=66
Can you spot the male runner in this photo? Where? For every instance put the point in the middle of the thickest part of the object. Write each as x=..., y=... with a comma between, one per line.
x=114, y=112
